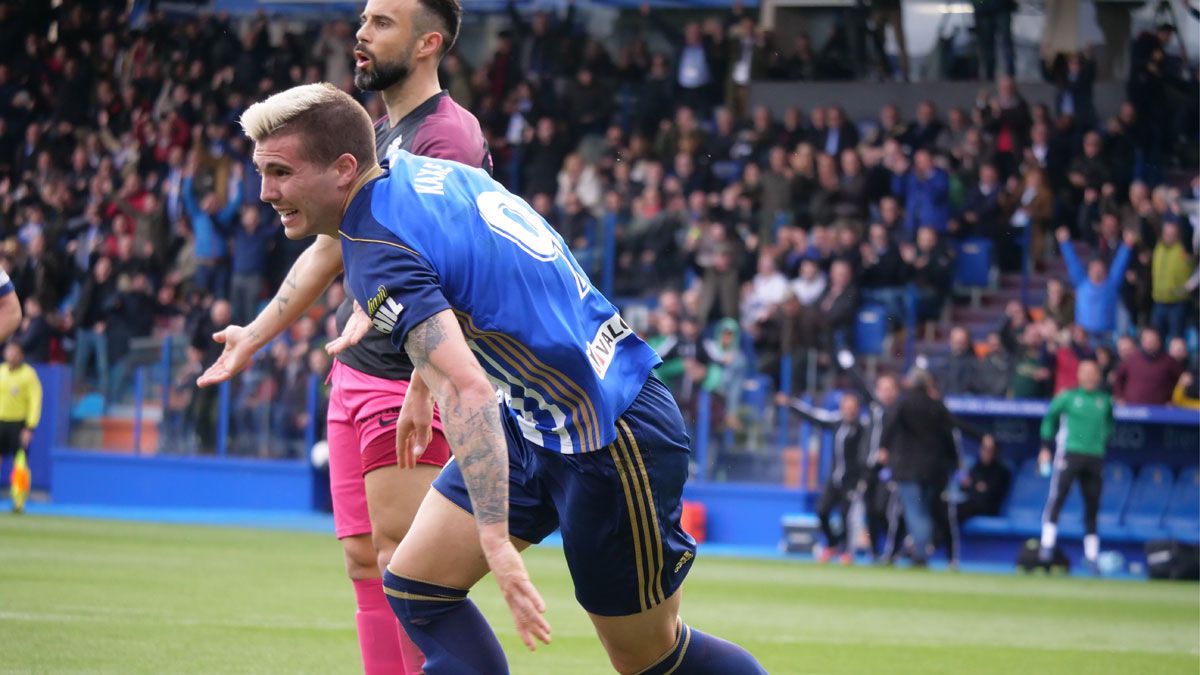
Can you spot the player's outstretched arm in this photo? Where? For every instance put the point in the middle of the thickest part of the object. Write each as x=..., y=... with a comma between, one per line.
x=471, y=421
x=310, y=275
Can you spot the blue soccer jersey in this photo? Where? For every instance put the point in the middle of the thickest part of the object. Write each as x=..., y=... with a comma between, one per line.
x=433, y=235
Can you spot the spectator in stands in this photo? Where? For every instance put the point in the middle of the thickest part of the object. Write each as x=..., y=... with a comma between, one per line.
x=1060, y=303
x=981, y=213
x=923, y=132
x=1006, y=117
x=1029, y=205
x=959, y=376
x=883, y=272
x=541, y=158
x=34, y=332
x=931, y=270
x=985, y=486
x=838, y=307
x=579, y=178
x=921, y=454
x=1031, y=374
x=1171, y=268
x=924, y=189
x=1072, y=350
x=993, y=20
x=839, y=133
x=696, y=60
x=1096, y=289
x=994, y=369
x=1089, y=170
x=727, y=369
x=747, y=54
x=252, y=241
x=203, y=411
x=1147, y=376
x=1072, y=76
x=541, y=42
x=767, y=290
x=91, y=312
x=210, y=225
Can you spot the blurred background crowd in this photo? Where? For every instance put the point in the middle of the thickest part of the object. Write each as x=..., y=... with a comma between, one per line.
x=1003, y=241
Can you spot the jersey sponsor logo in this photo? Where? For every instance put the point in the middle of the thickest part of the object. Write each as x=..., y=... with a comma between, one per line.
x=383, y=311
x=431, y=178
x=601, y=349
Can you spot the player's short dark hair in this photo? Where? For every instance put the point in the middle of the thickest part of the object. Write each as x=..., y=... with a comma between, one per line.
x=448, y=15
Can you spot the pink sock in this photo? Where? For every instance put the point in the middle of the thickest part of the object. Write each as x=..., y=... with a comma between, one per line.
x=378, y=631
x=414, y=660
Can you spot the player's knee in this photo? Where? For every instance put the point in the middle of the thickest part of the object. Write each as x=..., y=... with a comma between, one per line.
x=360, y=557
x=416, y=603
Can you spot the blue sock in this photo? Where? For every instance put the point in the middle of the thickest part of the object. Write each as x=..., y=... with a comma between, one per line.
x=698, y=654
x=449, y=628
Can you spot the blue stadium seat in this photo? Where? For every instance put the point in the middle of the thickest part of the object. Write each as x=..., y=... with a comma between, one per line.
x=756, y=394
x=1028, y=497
x=870, y=330
x=972, y=268
x=1183, y=512
x=1118, y=483
x=1148, y=499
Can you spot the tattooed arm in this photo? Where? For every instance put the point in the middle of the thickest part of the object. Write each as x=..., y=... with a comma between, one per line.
x=470, y=416
x=471, y=422
x=305, y=282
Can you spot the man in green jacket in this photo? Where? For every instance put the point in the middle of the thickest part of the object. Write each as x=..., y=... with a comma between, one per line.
x=1170, y=269
x=1079, y=422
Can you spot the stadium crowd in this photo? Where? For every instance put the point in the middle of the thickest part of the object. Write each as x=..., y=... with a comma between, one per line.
x=128, y=207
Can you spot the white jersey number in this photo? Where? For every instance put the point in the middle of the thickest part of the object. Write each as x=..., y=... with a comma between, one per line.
x=514, y=220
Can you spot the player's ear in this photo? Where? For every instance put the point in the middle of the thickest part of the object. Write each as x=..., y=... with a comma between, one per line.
x=431, y=44
x=347, y=168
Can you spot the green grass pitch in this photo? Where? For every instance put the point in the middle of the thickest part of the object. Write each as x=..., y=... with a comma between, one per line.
x=114, y=597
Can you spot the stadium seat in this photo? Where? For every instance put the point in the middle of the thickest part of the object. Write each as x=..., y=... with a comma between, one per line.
x=1118, y=482
x=973, y=266
x=1028, y=497
x=870, y=331
x=1148, y=500
x=756, y=395
x=1182, y=518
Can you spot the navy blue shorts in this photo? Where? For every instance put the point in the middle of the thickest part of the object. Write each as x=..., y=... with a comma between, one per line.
x=618, y=508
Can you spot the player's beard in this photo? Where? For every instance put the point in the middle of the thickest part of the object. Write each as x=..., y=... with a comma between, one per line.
x=383, y=74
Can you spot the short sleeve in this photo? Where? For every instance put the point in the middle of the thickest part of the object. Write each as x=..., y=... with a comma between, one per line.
x=6, y=285
x=396, y=287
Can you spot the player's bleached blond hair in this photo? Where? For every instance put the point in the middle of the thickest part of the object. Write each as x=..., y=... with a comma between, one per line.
x=329, y=121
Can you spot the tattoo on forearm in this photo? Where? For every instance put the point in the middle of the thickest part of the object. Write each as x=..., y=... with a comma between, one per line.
x=282, y=300
x=472, y=426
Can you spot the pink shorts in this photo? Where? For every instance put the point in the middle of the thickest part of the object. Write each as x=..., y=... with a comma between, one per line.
x=362, y=438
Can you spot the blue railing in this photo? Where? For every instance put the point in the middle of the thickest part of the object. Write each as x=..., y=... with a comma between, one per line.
x=245, y=422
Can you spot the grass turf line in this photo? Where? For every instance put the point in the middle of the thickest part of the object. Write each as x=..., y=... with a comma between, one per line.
x=116, y=597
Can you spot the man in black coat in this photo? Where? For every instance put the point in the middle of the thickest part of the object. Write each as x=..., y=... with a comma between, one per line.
x=921, y=449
